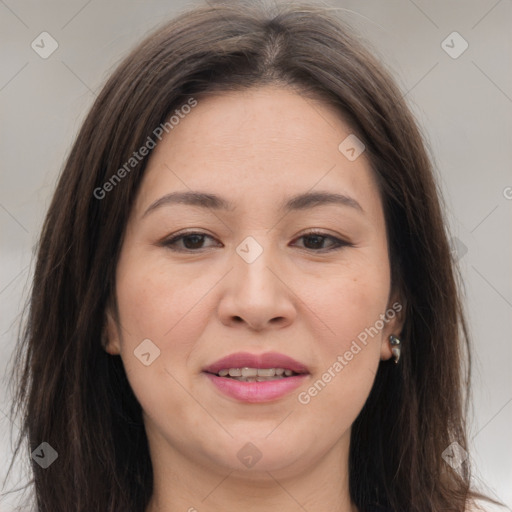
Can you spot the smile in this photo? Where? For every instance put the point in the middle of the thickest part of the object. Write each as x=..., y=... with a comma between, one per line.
x=256, y=378
x=256, y=374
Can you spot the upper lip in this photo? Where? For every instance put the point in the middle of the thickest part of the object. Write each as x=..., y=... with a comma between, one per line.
x=248, y=360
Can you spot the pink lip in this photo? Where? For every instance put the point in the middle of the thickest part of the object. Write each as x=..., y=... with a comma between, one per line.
x=256, y=391
x=247, y=360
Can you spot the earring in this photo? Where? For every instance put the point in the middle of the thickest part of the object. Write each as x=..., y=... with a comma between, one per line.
x=395, y=347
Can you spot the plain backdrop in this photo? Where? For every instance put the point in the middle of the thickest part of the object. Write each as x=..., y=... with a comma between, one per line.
x=463, y=104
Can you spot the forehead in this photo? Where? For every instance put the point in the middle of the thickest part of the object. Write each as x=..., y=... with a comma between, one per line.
x=266, y=142
x=264, y=118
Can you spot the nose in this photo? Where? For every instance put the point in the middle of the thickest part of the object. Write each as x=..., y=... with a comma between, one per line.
x=257, y=294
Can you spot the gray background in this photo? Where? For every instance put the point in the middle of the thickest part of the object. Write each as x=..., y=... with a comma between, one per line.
x=464, y=106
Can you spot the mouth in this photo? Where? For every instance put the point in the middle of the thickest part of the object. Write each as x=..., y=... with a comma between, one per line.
x=244, y=365
x=256, y=377
x=247, y=374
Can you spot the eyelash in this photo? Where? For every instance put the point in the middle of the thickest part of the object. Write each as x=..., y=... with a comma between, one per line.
x=338, y=243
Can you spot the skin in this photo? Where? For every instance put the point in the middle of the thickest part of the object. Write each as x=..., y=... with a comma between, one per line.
x=255, y=148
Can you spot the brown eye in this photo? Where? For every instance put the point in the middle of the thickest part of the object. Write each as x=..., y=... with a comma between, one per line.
x=315, y=241
x=187, y=242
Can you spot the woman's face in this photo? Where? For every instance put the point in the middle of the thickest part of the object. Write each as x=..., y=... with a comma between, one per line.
x=250, y=282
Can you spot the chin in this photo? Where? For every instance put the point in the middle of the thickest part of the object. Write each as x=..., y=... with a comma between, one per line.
x=257, y=456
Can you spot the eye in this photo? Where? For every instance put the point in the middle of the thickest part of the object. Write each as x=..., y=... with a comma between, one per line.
x=191, y=242
x=314, y=240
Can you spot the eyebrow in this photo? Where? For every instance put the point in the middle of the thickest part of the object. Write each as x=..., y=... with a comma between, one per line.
x=302, y=201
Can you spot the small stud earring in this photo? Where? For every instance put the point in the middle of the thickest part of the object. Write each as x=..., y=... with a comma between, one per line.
x=395, y=347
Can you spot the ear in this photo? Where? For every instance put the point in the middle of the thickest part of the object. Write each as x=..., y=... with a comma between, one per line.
x=393, y=324
x=110, y=334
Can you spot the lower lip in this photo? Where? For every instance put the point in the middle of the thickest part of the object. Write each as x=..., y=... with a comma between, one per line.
x=256, y=391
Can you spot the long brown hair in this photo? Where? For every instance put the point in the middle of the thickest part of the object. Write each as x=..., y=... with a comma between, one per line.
x=76, y=397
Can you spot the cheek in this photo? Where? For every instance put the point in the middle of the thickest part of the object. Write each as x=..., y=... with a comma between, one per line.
x=157, y=306
x=153, y=302
x=152, y=305
x=348, y=309
x=348, y=304
x=349, y=352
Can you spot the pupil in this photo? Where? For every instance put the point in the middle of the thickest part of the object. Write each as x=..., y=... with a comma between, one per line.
x=316, y=238
x=193, y=245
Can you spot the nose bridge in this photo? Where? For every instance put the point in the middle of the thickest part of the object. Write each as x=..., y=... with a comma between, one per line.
x=252, y=266
x=254, y=293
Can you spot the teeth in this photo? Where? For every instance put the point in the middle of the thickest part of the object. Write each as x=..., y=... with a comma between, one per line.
x=249, y=372
x=256, y=379
x=266, y=372
x=255, y=374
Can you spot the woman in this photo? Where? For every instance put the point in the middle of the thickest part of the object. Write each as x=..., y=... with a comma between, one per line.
x=244, y=294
